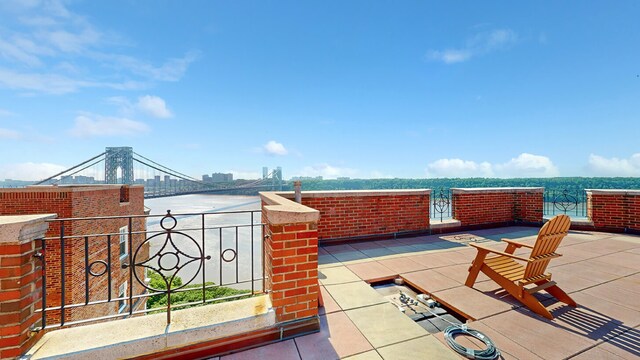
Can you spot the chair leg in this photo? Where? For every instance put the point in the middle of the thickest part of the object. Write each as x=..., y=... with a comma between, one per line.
x=474, y=270
x=558, y=293
x=517, y=292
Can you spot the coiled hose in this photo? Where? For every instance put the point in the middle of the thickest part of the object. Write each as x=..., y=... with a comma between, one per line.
x=490, y=353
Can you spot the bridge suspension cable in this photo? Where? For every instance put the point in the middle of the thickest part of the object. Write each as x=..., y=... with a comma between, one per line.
x=72, y=168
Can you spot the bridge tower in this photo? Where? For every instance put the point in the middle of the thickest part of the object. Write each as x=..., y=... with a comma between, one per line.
x=118, y=158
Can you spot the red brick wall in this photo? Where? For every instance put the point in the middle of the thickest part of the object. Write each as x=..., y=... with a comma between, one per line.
x=614, y=209
x=497, y=205
x=361, y=213
x=75, y=202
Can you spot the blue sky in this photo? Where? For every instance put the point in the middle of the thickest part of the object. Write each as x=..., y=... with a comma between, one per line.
x=333, y=88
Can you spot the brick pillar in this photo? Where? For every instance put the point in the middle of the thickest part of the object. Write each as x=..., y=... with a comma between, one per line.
x=20, y=281
x=291, y=257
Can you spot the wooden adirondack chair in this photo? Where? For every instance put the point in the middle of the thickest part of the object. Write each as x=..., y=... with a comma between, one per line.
x=514, y=277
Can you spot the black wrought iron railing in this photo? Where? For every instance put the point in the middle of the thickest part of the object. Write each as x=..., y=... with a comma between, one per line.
x=441, y=204
x=565, y=201
x=104, y=268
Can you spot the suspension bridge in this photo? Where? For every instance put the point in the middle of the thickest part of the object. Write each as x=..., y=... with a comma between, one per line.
x=122, y=165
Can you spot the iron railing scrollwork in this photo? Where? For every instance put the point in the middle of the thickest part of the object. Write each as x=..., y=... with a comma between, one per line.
x=441, y=205
x=83, y=277
x=565, y=201
x=169, y=260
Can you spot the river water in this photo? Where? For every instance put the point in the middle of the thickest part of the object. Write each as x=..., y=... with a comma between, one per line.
x=233, y=240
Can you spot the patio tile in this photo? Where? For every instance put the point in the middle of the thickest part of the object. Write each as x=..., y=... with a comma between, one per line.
x=285, y=350
x=624, y=315
x=597, y=353
x=354, y=295
x=459, y=273
x=396, y=246
x=431, y=260
x=625, y=259
x=617, y=294
x=570, y=281
x=327, y=260
x=369, y=355
x=534, y=332
x=425, y=347
x=338, y=338
x=372, y=271
x=336, y=275
x=472, y=302
x=384, y=324
x=591, y=324
x=344, y=252
x=401, y=265
x=330, y=305
x=430, y=280
x=626, y=346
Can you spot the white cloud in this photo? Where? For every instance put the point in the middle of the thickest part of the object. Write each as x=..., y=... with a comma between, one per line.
x=275, y=148
x=327, y=171
x=479, y=44
x=44, y=35
x=525, y=165
x=154, y=106
x=29, y=171
x=458, y=168
x=9, y=134
x=5, y=113
x=90, y=125
x=450, y=56
x=601, y=166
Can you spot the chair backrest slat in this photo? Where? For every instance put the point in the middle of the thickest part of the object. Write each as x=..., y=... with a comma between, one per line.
x=548, y=240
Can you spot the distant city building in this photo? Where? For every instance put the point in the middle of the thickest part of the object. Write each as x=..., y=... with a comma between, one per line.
x=344, y=178
x=220, y=177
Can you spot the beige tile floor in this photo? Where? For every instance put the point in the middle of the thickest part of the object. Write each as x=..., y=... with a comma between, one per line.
x=601, y=271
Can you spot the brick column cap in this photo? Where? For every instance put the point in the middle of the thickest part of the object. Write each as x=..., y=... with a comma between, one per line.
x=496, y=190
x=284, y=211
x=23, y=228
x=613, y=192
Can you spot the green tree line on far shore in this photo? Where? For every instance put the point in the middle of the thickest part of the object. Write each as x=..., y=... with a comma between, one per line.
x=559, y=183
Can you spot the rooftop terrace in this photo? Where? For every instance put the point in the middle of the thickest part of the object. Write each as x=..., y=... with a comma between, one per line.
x=601, y=271
x=330, y=248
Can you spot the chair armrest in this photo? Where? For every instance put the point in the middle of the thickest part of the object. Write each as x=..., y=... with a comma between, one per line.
x=517, y=243
x=480, y=247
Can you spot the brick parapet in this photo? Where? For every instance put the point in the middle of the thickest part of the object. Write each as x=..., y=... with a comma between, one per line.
x=614, y=210
x=20, y=282
x=362, y=213
x=486, y=206
x=291, y=258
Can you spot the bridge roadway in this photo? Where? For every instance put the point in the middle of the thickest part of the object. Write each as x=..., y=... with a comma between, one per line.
x=224, y=191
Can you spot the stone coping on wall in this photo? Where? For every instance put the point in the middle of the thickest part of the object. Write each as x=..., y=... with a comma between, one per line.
x=356, y=193
x=496, y=190
x=284, y=211
x=613, y=192
x=150, y=334
x=15, y=228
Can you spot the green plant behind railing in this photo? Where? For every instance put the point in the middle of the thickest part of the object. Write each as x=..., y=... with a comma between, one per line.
x=189, y=296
